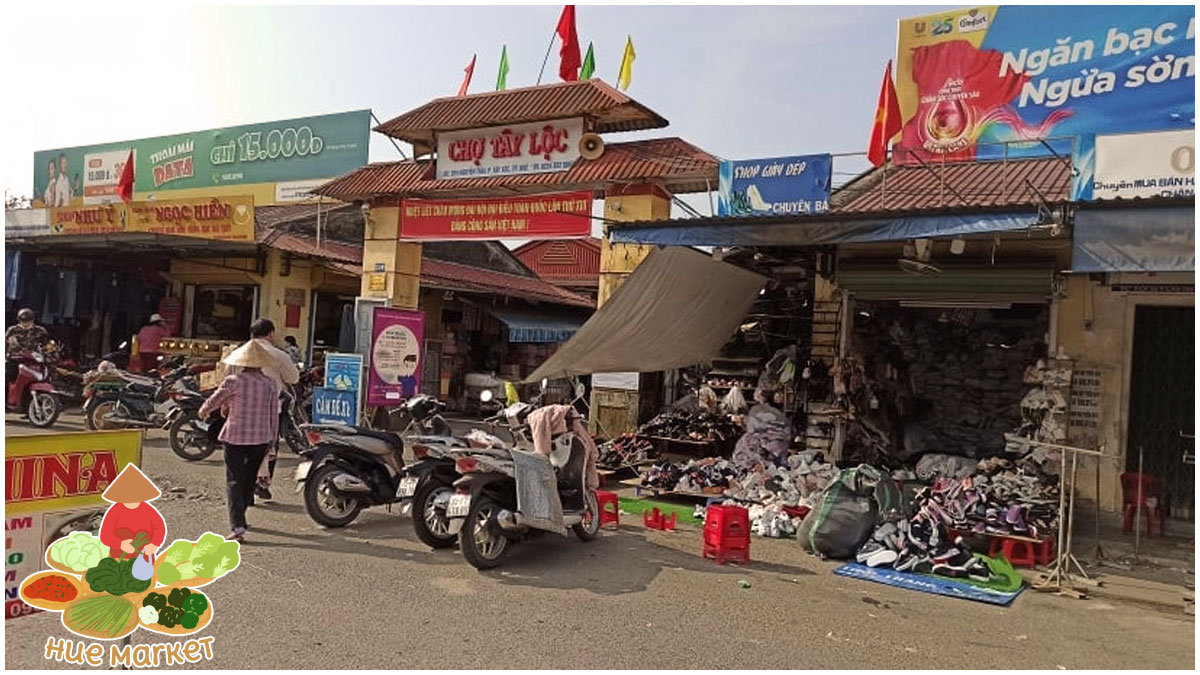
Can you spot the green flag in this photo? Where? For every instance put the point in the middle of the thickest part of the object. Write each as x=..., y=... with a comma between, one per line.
x=502, y=76
x=589, y=65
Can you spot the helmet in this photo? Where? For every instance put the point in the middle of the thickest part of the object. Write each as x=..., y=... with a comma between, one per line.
x=25, y=315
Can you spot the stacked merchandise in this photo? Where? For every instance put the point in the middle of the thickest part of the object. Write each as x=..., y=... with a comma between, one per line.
x=698, y=476
x=1001, y=498
x=626, y=450
x=701, y=426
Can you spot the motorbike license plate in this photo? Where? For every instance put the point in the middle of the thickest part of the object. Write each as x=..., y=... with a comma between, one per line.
x=302, y=470
x=408, y=487
x=458, y=506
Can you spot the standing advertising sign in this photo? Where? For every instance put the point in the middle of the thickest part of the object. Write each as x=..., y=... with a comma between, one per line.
x=396, y=340
x=53, y=487
x=968, y=80
x=337, y=401
x=775, y=187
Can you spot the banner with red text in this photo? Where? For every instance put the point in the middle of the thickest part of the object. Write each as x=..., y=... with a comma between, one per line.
x=555, y=216
x=535, y=147
x=224, y=218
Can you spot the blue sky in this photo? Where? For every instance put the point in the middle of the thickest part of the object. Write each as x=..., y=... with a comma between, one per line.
x=740, y=82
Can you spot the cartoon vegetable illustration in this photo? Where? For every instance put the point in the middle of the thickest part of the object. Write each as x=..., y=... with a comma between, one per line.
x=209, y=558
x=169, y=616
x=189, y=620
x=78, y=551
x=177, y=596
x=115, y=577
x=195, y=603
x=53, y=587
x=148, y=615
x=104, y=616
x=155, y=600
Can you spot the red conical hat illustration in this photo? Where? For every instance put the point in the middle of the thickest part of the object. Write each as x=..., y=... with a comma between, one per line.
x=131, y=486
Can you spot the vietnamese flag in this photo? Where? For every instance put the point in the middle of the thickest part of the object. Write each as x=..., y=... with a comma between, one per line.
x=568, y=67
x=125, y=184
x=887, y=120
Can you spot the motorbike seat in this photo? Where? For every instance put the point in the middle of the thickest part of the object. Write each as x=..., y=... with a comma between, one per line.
x=140, y=388
x=388, y=437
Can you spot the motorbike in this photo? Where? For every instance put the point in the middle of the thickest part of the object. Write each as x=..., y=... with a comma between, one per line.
x=188, y=434
x=346, y=469
x=135, y=401
x=32, y=393
x=497, y=501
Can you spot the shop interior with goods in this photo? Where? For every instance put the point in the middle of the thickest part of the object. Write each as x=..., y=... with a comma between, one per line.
x=900, y=434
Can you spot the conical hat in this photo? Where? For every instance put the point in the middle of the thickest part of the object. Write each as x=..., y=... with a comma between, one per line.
x=250, y=355
x=131, y=486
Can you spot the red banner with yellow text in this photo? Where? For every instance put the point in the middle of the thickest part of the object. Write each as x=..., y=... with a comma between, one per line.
x=555, y=216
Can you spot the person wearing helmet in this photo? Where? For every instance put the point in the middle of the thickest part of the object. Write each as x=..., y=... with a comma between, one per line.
x=22, y=338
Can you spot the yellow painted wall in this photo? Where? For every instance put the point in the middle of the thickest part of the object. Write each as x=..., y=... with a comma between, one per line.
x=400, y=260
x=617, y=261
x=1095, y=326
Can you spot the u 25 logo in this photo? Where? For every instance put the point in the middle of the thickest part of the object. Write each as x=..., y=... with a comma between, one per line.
x=943, y=26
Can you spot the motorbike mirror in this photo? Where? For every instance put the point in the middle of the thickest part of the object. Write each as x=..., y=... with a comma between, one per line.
x=486, y=395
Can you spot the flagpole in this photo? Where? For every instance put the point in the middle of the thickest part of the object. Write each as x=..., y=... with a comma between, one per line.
x=545, y=60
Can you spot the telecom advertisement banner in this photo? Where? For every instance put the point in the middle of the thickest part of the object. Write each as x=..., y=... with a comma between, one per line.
x=970, y=81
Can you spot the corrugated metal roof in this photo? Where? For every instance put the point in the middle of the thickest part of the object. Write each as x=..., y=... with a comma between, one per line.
x=681, y=166
x=562, y=262
x=454, y=277
x=975, y=184
x=612, y=110
x=301, y=245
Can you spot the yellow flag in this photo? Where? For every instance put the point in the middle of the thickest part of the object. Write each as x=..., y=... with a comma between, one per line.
x=626, y=72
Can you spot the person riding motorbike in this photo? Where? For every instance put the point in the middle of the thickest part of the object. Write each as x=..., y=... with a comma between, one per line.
x=23, y=338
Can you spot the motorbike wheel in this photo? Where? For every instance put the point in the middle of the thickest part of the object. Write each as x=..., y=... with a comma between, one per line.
x=187, y=442
x=431, y=525
x=482, y=543
x=590, y=527
x=98, y=408
x=325, y=507
x=43, y=409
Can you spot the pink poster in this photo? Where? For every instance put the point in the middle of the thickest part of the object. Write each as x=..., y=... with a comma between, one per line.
x=397, y=348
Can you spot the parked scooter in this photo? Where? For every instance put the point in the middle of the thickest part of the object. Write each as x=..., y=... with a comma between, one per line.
x=132, y=401
x=487, y=512
x=346, y=470
x=188, y=433
x=32, y=393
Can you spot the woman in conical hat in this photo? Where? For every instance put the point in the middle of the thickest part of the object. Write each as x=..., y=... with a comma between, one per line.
x=249, y=400
x=131, y=524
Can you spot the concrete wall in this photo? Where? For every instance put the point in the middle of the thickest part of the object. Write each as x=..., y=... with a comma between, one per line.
x=1095, y=327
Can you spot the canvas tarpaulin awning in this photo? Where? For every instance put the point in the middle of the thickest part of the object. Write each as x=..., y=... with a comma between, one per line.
x=677, y=309
x=531, y=326
x=1135, y=240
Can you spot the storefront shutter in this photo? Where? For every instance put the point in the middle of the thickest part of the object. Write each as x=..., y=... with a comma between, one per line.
x=954, y=284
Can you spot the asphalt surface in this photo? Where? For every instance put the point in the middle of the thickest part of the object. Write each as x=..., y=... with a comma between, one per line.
x=372, y=596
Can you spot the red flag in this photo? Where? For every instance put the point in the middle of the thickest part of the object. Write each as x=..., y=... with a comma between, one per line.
x=568, y=68
x=125, y=184
x=469, y=70
x=887, y=120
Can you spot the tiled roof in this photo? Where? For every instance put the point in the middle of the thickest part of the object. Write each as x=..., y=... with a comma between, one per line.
x=347, y=259
x=611, y=110
x=270, y=217
x=681, y=166
x=972, y=184
x=455, y=277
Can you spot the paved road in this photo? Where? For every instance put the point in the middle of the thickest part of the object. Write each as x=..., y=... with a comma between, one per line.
x=371, y=596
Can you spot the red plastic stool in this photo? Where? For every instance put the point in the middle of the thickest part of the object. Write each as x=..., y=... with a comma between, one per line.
x=1018, y=552
x=726, y=534
x=610, y=509
x=657, y=520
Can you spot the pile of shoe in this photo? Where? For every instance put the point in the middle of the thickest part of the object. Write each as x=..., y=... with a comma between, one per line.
x=772, y=521
x=806, y=475
x=625, y=450
x=694, y=426
x=663, y=475
x=919, y=546
x=708, y=476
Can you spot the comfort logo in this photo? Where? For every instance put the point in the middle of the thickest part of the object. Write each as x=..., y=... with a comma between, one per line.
x=972, y=21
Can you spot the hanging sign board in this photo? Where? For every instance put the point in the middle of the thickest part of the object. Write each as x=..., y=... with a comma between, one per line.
x=1161, y=164
x=536, y=147
x=555, y=216
x=775, y=187
x=1084, y=406
x=396, y=339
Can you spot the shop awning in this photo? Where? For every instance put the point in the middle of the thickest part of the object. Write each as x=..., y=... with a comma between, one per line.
x=526, y=326
x=677, y=309
x=817, y=230
x=1161, y=239
x=966, y=285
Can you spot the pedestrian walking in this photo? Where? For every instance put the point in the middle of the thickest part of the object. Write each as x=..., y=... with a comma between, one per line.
x=249, y=400
x=285, y=373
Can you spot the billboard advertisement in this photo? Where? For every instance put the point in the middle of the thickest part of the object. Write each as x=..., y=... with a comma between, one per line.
x=1158, y=164
x=287, y=151
x=554, y=216
x=397, y=340
x=778, y=186
x=970, y=80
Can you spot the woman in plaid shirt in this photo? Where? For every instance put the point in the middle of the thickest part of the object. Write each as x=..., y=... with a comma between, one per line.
x=249, y=401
